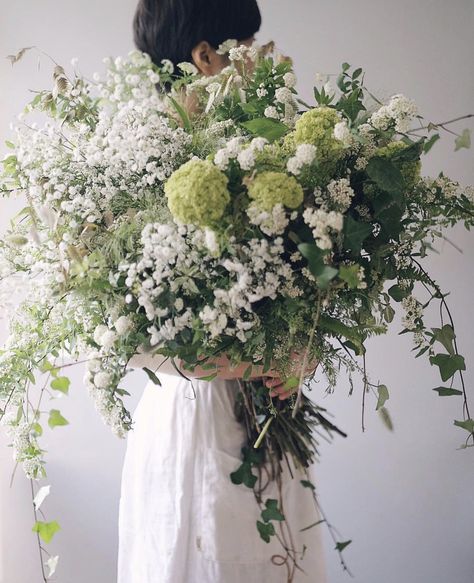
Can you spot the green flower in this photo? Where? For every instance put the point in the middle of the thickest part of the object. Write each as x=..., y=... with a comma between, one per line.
x=270, y=188
x=410, y=169
x=197, y=193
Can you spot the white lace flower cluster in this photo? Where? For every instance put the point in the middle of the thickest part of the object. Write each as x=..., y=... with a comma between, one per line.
x=413, y=311
x=339, y=194
x=127, y=150
x=323, y=223
x=399, y=112
x=237, y=149
x=175, y=262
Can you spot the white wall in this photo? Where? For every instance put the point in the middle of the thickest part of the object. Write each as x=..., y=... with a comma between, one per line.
x=405, y=498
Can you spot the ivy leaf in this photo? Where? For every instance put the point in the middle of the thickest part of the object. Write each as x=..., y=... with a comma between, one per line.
x=448, y=364
x=387, y=420
x=61, y=384
x=468, y=424
x=55, y=419
x=383, y=396
x=385, y=174
x=445, y=336
x=430, y=143
x=355, y=233
x=350, y=274
x=342, y=545
x=446, y=392
x=243, y=475
x=314, y=255
x=271, y=511
x=271, y=129
x=398, y=293
x=291, y=382
x=266, y=530
x=464, y=140
x=152, y=376
x=46, y=530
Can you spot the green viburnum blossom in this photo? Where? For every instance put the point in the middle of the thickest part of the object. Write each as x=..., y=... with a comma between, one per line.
x=410, y=169
x=197, y=193
x=316, y=127
x=270, y=188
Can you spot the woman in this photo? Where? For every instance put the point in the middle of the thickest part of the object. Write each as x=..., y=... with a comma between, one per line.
x=181, y=519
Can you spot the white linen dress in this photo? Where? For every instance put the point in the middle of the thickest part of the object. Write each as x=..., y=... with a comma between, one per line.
x=181, y=519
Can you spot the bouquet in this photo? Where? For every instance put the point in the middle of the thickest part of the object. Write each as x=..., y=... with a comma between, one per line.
x=194, y=217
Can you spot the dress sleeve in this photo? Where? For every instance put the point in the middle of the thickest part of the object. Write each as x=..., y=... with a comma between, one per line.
x=156, y=362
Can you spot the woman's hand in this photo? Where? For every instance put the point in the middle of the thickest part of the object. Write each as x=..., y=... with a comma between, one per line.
x=277, y=384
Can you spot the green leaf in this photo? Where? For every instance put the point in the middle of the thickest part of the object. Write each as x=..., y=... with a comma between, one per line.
x=355, y=233
x=314, y=256
x=430, y=143
x=46, y=530
x=243, y=475
x=350, y=274
x=55, y=419
x=247, y=372
x=271, y=129
x=291, y=382
x=10, y=145
x=446, y=392
x=46, y=366
x=383, y=396
x=36, y=427
x=308, y=484
x=152, y=376
x=445, y=336
x=338, y=328
x=271, y=511
x=398, y=293
x=385, y=415
x=464, y=140
x=266, y=530
x=448, y=364
x=468, y=424
x=342, y=545
x=61, y=384
x=385, y=174
x=182, y=114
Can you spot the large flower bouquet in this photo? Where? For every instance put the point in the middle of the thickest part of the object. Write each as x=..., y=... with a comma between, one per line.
x=198, y=217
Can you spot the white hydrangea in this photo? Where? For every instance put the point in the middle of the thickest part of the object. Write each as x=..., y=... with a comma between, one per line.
x=123, y=325
x=246, y=159
x=271, y=112
x=289, y=79
x=272, y=222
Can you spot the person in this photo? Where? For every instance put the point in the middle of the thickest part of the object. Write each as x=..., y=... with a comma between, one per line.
x=181, y=519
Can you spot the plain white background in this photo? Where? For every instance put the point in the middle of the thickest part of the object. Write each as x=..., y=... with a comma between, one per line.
x=404, y=498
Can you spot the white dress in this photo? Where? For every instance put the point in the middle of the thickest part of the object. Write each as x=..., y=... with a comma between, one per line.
x=181, y=519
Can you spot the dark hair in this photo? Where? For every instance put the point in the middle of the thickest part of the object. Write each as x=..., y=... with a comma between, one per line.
x=170, y=29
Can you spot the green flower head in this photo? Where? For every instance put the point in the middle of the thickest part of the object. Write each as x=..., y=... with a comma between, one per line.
x=316, y=126
x=270, y=188
x=410, y=169
x=197, y=193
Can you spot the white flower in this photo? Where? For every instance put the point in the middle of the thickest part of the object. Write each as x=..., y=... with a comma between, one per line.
x=211, y=241
x=99, y=332
x=123, y=325
x=343, y=133
x=52, y=563
x=188, y=68
x=271, y=112
x=289, y=79
x=305, y=154
x=108, y=339
x=340, y=194
x=167, y=66
x=225, y=47
x=102, y=380
x=284, y=95
x=246, y=159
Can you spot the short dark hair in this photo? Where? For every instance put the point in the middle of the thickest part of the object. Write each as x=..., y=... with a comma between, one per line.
x=170, y=29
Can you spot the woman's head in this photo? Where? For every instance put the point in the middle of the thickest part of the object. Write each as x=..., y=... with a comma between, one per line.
x=192, y=30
